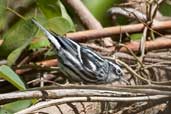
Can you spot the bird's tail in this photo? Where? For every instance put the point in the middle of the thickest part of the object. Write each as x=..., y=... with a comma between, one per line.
x=50, y=37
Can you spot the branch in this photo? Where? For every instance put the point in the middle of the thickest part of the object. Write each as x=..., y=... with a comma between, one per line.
x=84, y=14
x=159, y=43
x=90, y=99
x=128, y=12
x=87, y=18
x=109, y=31
x=54, y=92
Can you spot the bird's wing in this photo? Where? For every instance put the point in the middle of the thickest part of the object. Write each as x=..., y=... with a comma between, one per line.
x=91, y=60
x=94, y=64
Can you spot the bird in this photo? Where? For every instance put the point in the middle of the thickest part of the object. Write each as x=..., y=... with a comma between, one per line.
x=79, y=63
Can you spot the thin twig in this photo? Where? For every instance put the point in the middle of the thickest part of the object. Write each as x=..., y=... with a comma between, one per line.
x=133, y=54
x=45, y=104
x=139, y=76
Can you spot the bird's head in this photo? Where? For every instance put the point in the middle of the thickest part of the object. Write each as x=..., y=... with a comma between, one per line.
x=115, y=72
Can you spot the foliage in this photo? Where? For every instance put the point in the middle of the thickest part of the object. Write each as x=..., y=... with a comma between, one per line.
x=165, y=8
x=16, y=39
x=8, y=74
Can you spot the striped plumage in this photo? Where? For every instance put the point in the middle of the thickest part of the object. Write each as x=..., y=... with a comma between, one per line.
x=81, y=64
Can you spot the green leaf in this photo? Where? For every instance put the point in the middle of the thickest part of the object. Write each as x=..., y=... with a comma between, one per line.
x=136, y=36
x=66, y=16
x=165, y=8
x=59, y=24
x=16, y=106
x=39, y=43
x=99, y=9
x=8, y=74
x=20, y=34
x=14, y=55
x=50, y=8
x=54, y=8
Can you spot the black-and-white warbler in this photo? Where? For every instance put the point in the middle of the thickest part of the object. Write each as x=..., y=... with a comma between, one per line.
x=80, y=63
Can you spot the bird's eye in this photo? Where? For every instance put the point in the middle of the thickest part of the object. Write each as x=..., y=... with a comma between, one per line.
x=118, y=71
